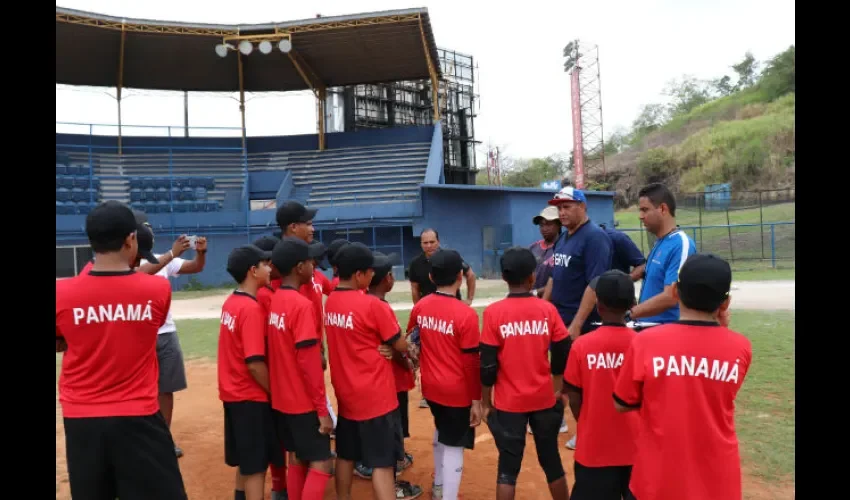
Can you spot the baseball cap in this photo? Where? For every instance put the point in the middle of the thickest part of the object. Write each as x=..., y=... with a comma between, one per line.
x=144, y=236
x=290, y=251
x=566, y=194
x=445, y=262
x=319, y=248
x=109, y=222
x=614, y=289
x=704, y=282
x=549, y=213
x=243, y=258
x=382, y=265
x=518, y=264
x=354, y=257
x=141, y=217
x=292, y=212
x=334, y=247
x=266, y=243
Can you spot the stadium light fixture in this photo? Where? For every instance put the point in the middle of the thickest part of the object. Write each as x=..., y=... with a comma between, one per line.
x=245, y=47
x=265, y=47
x=222, y=48
x=285, y=45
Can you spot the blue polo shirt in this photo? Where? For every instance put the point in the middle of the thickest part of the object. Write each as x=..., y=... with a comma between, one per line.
x=662, y=269
x=626, y=254
x=579, y=258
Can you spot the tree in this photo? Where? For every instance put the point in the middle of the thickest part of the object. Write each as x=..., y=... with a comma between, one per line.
x=686, y=94
x=723, y=86
x=532, y=172
x=651, y=118
x=746, y=71
x=779, y=77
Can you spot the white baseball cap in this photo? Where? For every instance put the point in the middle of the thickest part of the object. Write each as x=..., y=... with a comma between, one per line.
x=549, y=213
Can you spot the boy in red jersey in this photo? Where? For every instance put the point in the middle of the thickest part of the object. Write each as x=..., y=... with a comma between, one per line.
x=684, y=377
x=333, y=248
x=449, y=367
x=298, y=384
x=603, y=462
x=369, y=425
x=382, y=283
x=243, y=376
x=518, y=381
x=117, y=442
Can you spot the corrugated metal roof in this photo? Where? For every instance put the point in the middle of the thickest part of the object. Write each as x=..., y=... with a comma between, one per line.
x=341, y=50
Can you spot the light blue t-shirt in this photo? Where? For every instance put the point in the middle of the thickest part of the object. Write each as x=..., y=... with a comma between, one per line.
x=662, y=269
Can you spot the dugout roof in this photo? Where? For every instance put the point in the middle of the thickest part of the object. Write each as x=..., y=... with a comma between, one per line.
x=343, y=50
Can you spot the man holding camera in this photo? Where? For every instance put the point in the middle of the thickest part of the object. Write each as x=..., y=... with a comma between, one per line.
x=172, y=373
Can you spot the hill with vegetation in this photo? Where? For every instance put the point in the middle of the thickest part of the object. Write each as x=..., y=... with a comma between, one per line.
x=736, y=129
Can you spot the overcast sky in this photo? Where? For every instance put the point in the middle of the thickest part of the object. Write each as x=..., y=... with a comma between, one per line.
x=524, y=93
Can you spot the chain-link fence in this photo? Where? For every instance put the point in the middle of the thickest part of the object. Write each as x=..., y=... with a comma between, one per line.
x=752, y=229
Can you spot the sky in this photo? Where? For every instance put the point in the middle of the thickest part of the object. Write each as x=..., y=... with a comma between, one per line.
x=524, y=105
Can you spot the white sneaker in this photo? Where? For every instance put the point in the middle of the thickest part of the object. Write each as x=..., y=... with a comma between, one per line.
x=563, y=429
x=529, y=430
x=437, y=492
x=571, y=444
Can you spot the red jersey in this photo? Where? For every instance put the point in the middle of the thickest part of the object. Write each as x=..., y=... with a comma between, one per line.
x=448, y=329
x=322, y=282
x=264, y=297
x=522, y=328
x=332, y=285
x=356, y=324
x=275, y=284
x=290, y=324
x=404, y=380
x=313, y=292
x=241, y=339
x=607, y=437
x=110, y=321
x=87, y=267
x=685, y=377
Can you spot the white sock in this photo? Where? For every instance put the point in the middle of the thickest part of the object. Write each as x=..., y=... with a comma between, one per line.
x=331, y=410
x=438, y=460
x=452, y=471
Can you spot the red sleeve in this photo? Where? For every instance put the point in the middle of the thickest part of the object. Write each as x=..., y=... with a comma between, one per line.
x=411, y=320
x=470, y=342
x=264, y=298
x=559, y=330
x=325, y=283
x=490, y=335
x=628, y=389
x=251, y=330
x=572, y=375
x=385, y=322
x=309, y=358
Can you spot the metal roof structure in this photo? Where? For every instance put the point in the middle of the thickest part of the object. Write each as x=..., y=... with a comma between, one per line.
x=98, y=50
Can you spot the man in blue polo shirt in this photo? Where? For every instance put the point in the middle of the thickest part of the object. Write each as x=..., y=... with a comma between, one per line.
x=626, y=256
x=672, y=247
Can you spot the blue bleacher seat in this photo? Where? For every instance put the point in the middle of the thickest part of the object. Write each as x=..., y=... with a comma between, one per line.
x=78, y=194
x=200, y=193
x=81, y=181
x=182, y=206
x=66, y=181
x=150, y=207
x=63, y=194
x=83, y=170
x=175, y=193
x=66, y=208
x=163, y=182
x=162, y=194
x=149, y=182
x=187, y=194
x=135, y=195
x=61, y=169
x=211, y=206
x=135, y=183
x=163, y=207
x=58, y=205
x=149, y=194
x=84, y=208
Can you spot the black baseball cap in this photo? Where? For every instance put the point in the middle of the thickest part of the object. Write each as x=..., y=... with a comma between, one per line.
x=141, y=217
x=108, y=223
x=320, y=250
x=704, y=282
x=518, y=263
x=291, y=212
x=266, y=243
x=243, y=258
x=290, y=251
x=445, y=264
x=614, y=289
x=144, y=236
x=383, y=265
x=334, y=247
x=354, y=257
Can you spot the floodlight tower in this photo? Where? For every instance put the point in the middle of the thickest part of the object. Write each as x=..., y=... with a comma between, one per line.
x=582, y=64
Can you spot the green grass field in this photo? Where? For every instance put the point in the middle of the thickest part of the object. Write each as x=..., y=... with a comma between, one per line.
x=765, y=408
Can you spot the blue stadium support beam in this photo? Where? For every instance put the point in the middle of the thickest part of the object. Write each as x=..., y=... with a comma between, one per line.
x=432, y=70
x=242, y=99
x=120, y=85
x=316, y=85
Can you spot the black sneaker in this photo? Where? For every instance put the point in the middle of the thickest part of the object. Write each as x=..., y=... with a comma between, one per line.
x=406, y=491
x=178, y=451
x=280, y=495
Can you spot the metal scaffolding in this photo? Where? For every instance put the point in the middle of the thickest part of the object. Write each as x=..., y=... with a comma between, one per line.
x=407, y=103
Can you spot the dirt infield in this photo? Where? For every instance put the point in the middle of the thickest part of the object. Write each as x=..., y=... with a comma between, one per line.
x=198, y=426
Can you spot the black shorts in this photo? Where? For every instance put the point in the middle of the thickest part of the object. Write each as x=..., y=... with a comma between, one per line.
x=403, y=403
x=601, y=483
x=250, y=440
x=509, y=433
x=299, y=434
x=452, y=424
x=375, y=443
x=122, y=457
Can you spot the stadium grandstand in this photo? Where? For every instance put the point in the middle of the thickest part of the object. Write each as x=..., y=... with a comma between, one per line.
x=378, y=184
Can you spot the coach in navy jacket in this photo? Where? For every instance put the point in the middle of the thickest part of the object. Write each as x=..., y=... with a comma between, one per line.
x=582, y=253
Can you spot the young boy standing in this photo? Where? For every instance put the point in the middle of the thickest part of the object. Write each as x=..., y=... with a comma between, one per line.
x=451, y=380
x=243, y=376
x=603, y=462
x=369, y=425
x=684, y=377
x=298, y=384
x=520, y=385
